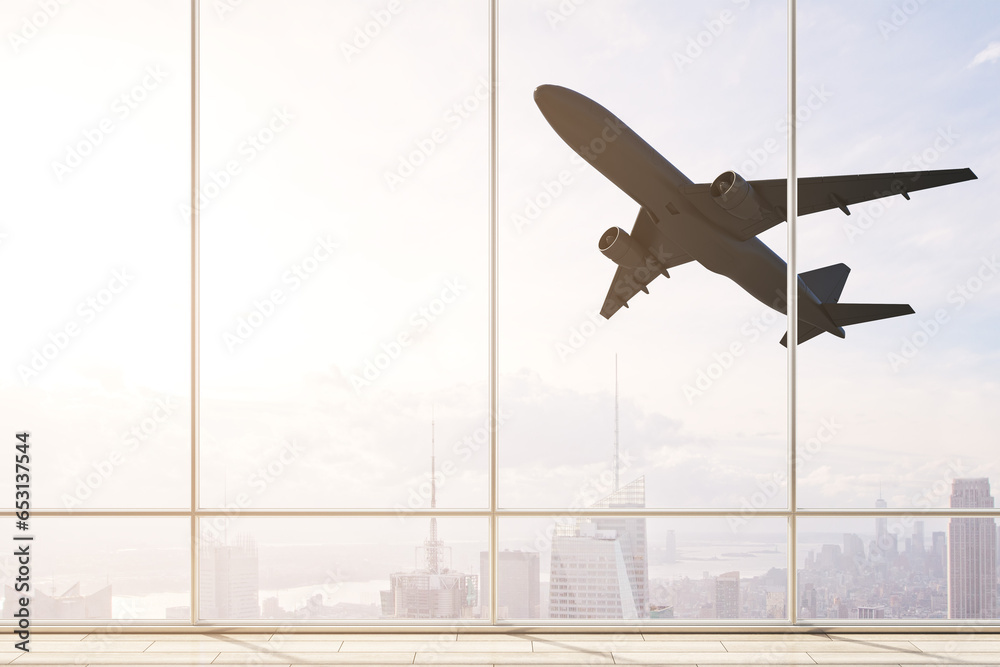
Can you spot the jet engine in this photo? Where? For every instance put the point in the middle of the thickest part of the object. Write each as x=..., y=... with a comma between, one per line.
x=735, y=195
x=622, y=249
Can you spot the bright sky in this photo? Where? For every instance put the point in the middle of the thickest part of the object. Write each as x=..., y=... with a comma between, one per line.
x=345, y=229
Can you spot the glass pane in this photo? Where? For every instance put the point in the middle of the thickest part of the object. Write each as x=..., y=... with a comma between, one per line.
x=905, y=405
x=892, y=568
x=96, y=264
x=328, y=569
x=94, y=569
x=345, y=229
x=700, y=409
x=577, y=568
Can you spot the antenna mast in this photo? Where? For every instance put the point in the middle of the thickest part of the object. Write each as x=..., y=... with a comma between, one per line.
x=433, y=544
x=616, y=421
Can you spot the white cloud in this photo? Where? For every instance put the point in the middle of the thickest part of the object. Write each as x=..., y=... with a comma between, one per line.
x=990, y=54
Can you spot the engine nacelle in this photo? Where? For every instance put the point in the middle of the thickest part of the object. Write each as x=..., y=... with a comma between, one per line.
x=735, y=195
x=622, y=249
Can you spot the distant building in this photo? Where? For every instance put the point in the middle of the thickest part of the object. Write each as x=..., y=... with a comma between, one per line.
x=434, y=590
x=179, y=613
x=884, y=548
x=870, y=612
x=916, y=548
x=599, y=568
x=939, y=553
x=270, y=608
x=972, y=553
x=427, y=594
x=671, y=553
x=854, y=547
x=775, y=604
x=727, y=595
x=229, y=580
x=517, y=582
x=829, y=557
x=919, y=546
x=809, y=604
x=588, y=578
x=632, y=534
x=661, y=611
x=70, y=605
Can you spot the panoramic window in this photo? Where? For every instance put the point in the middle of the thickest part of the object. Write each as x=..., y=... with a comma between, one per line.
x=472, y=312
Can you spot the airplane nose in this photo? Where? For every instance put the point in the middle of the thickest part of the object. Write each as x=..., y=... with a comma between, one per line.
x=544, y=94
x=558, y=104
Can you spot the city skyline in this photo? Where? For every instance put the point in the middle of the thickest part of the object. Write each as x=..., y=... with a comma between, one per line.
x=690, y=592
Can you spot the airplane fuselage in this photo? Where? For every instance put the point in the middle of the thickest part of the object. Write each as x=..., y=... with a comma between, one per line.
x=652, y=181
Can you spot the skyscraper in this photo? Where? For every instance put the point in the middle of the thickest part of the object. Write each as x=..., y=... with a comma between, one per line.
x=916, y=548
x=228, y=584
x=599, y=567
x=939, y=553
x=854, y=551
x=517, y=582
x=588, y=577
x=884, y=548
x=919, y=545
x=727, y=595
x=972, y=553
x=632, y=535
x=671, y=551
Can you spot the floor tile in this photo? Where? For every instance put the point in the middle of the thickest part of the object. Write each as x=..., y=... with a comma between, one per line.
x=651, y=646
x=178, y=658
x=723, y=658
x=371, y=646
x=296, y=658
x=512, y=659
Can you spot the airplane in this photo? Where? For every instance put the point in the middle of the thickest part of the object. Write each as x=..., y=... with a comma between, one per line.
x=716, y=224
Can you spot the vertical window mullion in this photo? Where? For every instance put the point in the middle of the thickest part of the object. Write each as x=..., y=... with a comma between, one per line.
x=195, y=300
x=493, y=345
x=792, y=310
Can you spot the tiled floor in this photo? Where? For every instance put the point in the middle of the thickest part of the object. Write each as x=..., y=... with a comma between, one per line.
x=510, y=649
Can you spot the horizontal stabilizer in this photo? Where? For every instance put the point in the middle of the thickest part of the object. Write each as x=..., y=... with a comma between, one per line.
x=827, y=284
x=844, y=314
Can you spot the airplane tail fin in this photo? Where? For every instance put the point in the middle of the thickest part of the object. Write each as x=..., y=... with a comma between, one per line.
x=828, y=284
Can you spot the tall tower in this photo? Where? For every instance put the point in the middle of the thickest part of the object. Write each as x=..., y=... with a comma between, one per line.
x=434, y=590
x=433, y=546
x=229, y=585
x=972, y=553
x=884, y=542
x=882, y=552
x=599, y=566
x=616, y=423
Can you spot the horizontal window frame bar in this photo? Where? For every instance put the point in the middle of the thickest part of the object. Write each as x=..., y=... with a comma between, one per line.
x=776, y=627
x=944, y=512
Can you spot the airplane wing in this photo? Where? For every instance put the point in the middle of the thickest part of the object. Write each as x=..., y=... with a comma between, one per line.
x=628, y=281
x=822, y=194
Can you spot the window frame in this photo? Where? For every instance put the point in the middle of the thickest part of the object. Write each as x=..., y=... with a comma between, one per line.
x=494, y=514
